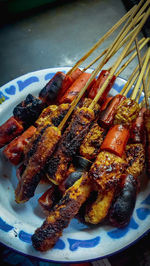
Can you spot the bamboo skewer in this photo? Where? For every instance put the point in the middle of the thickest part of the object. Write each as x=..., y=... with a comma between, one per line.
x=132, y=57
x=141, y=89
x=141, y=74
x=132, y=78
x=119, y=60
x=105, y=51
x=101, y=40
x=96, y=71
x=143, y=79
x=113, y=47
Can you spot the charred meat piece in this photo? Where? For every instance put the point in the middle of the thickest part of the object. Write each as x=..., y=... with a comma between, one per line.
x=69, y=144
x=32, y=174
x=14, y=151
x=85, y=102
x=135, y=158
x=46, y=114
x=106, y=170
x=124, y=203
x=127, y=112
x=137, y=134
x=9, y=130
x=53, y=114
x=59, y=218
x=91, y=144
x=49, y=93
x=49, y=199
x=28, y=110
x=97, y=211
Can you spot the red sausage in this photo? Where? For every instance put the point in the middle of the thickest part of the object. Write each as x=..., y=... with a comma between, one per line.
x=116, y=140
x=9, y=130
x=123, y=206
x=75, y=88
x=14, y=151
x=107, y=116
x=137, y=134
x=67, y=82
x=147, y=128
x=106, y=102
x=98, y=84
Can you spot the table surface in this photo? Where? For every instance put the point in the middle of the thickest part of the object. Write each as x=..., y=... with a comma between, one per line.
x=56, y=36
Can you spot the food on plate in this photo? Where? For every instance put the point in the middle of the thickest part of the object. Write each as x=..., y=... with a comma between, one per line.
x=89, y=146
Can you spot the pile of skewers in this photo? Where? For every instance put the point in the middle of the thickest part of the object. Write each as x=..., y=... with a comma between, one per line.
x=91, y=147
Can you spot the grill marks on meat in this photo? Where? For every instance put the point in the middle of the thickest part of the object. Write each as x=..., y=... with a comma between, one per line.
x=106, y=170
x=91, y=144
x=32, y=174
x=135, y=158
x=69, y=144
x=127, y=112
x=53, y=114
x=59, y=218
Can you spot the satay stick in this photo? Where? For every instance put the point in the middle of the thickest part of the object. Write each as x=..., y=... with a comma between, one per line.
x=96, y=71
x=120, y=45
x=142, y=73
x=131, y=79
x=119, y=60
x=143, y=79
x=131, y=58
x=115, y=45
x=102, y=39
x=148, y=87
x=141, y=89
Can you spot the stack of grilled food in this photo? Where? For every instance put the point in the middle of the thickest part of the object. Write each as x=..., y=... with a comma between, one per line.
x=88, y=145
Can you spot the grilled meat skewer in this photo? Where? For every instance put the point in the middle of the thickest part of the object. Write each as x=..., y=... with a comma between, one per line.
x=60, y=216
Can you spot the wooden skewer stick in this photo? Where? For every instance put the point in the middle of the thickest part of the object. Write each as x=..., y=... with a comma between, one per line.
x=115, y=45
x=143, y=79
x=101, y=40
x=119, y=60
x=131, y=83
x=96, y=71
x=141, y=89
x=132, y=57
x=148, y=87
x=133, y=96
x=120, y=45
x=131, y=79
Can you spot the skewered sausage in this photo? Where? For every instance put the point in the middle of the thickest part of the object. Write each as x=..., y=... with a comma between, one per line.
x=49, y=93
x=98, y=84
x=59, y=218
x=14, y=151
x=9, y=130
x=116, y=140
x=45, y=146
x=147, y=128
x=137, y=134
x=75, y=88
x=123, y=206
x=107, y=115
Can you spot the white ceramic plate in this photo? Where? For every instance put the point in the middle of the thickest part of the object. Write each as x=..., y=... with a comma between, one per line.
x=18, y=221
